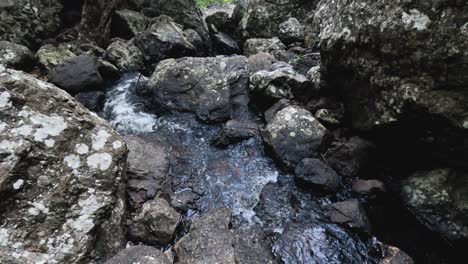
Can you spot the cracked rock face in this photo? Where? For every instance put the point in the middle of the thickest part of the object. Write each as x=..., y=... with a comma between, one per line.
x=61, y=173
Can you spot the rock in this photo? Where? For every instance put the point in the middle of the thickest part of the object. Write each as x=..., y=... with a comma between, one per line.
x=185, y=200
x=261, y=62
x=235, y=131
x=127, y=24
x=62, y=176
x=438, y=198
x=395, y=255
x=203, y=86
x=385, y=82
x=271, y=112
x=155, y=223
x=15, y=56
x=294, y=134
x=284, y=83
x=348, y=158
x=223, y=44
x=184, y=12
x=211, y=241
x=221, y=21
x=261, y=19
x=125, y=56
x=258, y=45
x=94, y=101
x=368, y=187
x=349, y=213
x=96, y=20
x=164, y=39
x=29, y=23
x=76, y=75
x=327, y=117
x=313, y=173
x=291, y=31
x=141, y=255
x=301, y=59
x=148, y=165
x=49, y=56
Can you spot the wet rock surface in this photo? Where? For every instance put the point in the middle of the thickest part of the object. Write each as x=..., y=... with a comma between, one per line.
x=349, y=213
x=62, y=194
x=315, y=174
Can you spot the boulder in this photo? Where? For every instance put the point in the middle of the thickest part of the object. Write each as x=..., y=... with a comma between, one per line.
x=260, y=62
x=291, y=31
x=94, y=101
x=368, y=187
x=235, y=131
x=221, y=21
x=50, y=56
x=148, y=164
x=258, y=45
x=15, y=56
x=141, y=255
x=223, y=44
x=29, y=23
x=394, y=255
x=155, y=223
x=313, y=173
x=349, y=157
x=267, y=87
x=77, y=74
x=127, y=24
x=409, y=63
x=327, y=117
x=203, y=86
x=349, y=213
x=125, y=56
x=162, y=40
x=62, y=174
x=294, y=134
x=439, y=199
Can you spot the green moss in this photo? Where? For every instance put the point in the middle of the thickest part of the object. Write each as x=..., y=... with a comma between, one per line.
x=205, y=3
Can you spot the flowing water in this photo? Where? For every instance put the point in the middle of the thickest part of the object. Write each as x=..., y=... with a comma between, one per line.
x=242, y=178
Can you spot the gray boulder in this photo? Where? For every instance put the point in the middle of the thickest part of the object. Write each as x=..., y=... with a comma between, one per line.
x=314, y=174
x=349, y=157
x=49, y=56
x=291, y=31
x=203, y=86
x=259, y=45
x=126, y=24
x=125, y=56
x=294, y=134
x=368, y=186
x=155, y=223
x=349, y=213
x=223, y=44
x=77, y=74
x=15, y=56
x=439, y=199
x=63, y=170
x=235, y=131
x=141, y=255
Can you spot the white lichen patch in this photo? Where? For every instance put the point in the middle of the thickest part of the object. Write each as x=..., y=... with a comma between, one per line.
x=37, y=208
x=24, y=130
x=416, y=19
x=18, y=184
x=100, y=139
x=82, y=149
x=47, y=125
x=3, y=126
x=73, y=161
x=5, y=99
x=117, y=144
x=4, y=237
x=100, y=161
x=89, y=207
x=49, y=143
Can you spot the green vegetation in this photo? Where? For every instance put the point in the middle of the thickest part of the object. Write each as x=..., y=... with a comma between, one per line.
x=205, y=3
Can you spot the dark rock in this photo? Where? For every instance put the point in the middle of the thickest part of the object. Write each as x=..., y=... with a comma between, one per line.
x=94, y=101
x=155, y=223
x=395, y=255
x=327, y=117
x=439, y=199
x=261, y=62
x=164, y=39
x=148, y=164
x=294, y=134
x=96, y=20
x=301, y=60
x=29, y=23
x=221, y=21
x=258, y=45
x=368, y=187
x=15, y=56
x=223, y=44
x=291, y=31
x=62, y=175
x=76, y=75
x=185, y=199
x=348, y=158
x=125, y=56
x=271, y=112
x=141, y=255
x=127, y=24
x=313, y=173
x=235, y=131
x=108, y=71
x=203, y=86
x=349, y=213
